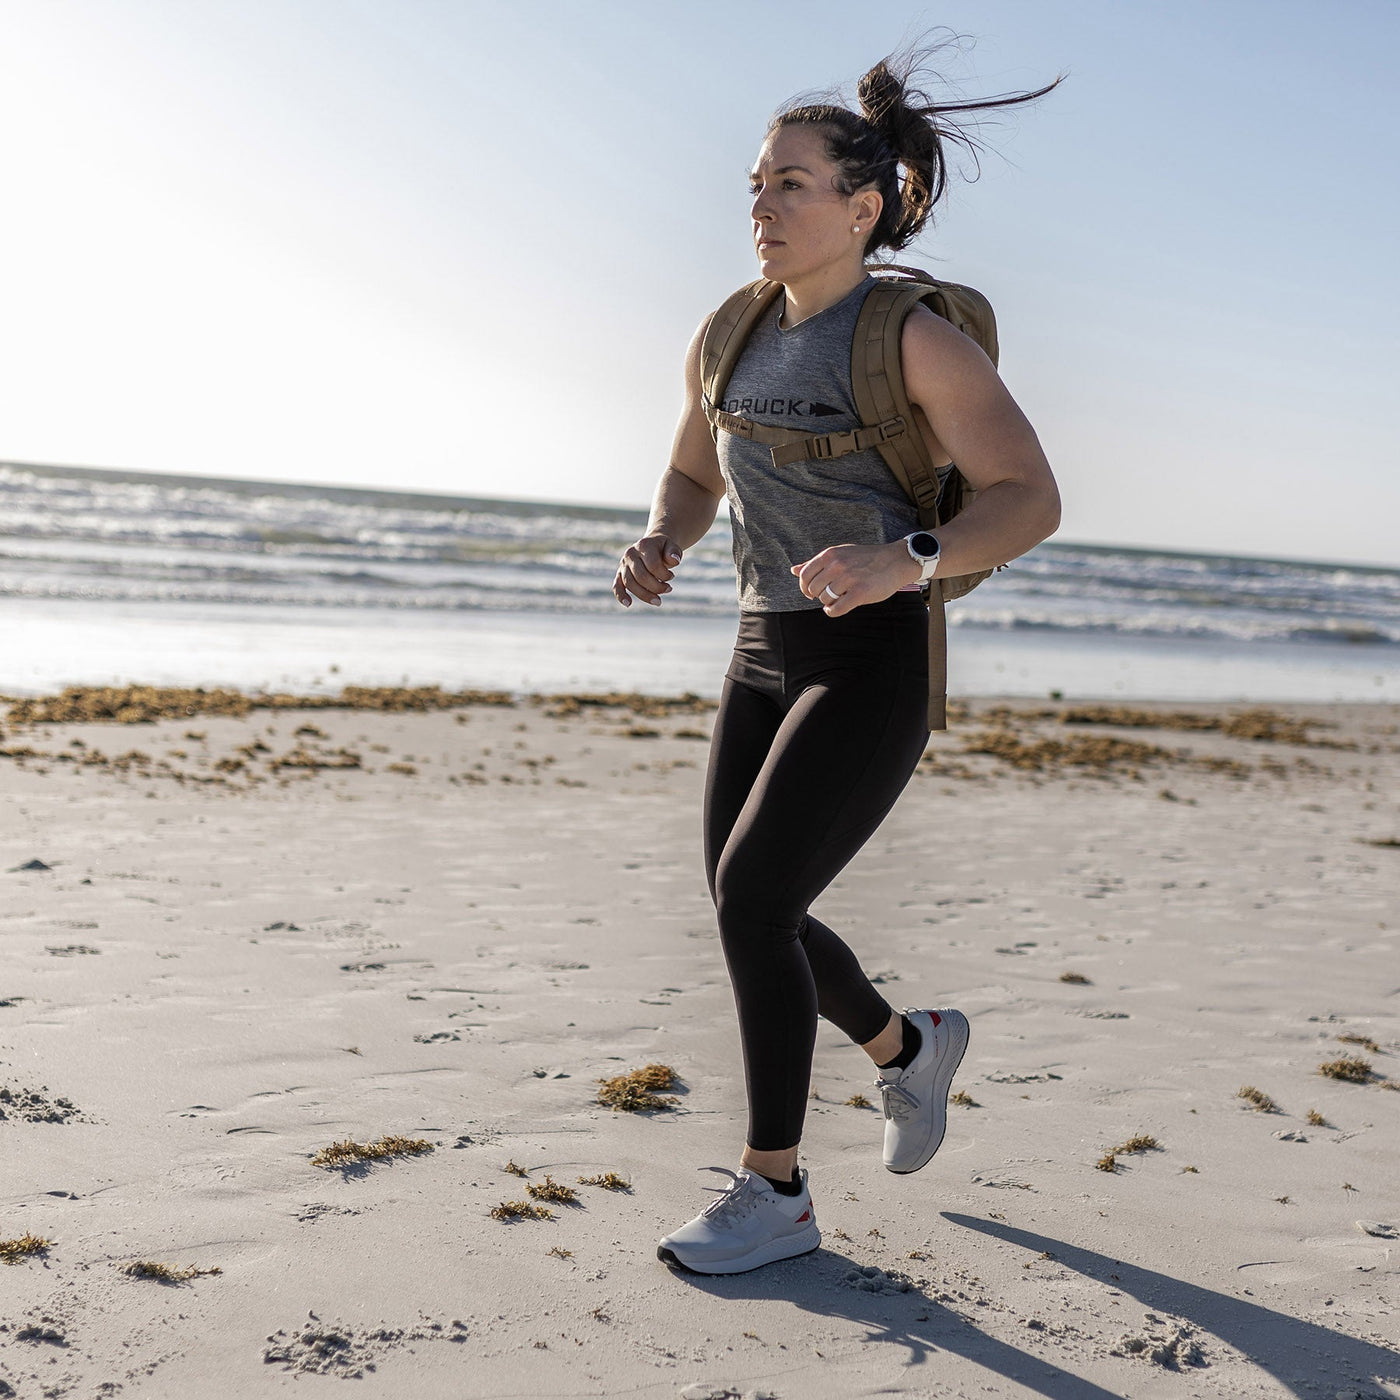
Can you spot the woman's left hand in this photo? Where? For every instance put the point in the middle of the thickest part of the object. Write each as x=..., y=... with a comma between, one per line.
x=847, y=575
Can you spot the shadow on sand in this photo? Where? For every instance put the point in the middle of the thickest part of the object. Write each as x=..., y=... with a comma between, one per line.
x=1307, y=1359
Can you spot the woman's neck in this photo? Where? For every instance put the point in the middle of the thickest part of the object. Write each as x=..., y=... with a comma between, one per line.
x=806, y=296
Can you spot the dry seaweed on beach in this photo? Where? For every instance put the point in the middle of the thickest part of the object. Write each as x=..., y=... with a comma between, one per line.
x=856, y=1101
x=1350, y=1068
x=520, y=1210
x=609, y=1181
x=165, y=1273
x=12, y=1251
x=1259, y=723
x=1364, y=1041
x=551, y=1190
x=1107, y=1163
x=1096, y=751
x=635, y=1091
x=343, y=1154
x=1316, y=1119
x=964, y=1100
x=1256, y=1098
x=571, y=704
x=144, y=704
x=514, y=1168
x=301, y=757
x=1143, y=1142
x=1078, y=978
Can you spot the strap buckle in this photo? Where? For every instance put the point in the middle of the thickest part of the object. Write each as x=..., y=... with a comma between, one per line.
x=890, y=429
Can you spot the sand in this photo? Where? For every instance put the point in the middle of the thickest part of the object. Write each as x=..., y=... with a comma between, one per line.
x=433, y=932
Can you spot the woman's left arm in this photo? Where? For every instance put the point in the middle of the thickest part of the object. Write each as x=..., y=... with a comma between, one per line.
x=972, y=420
x=979, y=426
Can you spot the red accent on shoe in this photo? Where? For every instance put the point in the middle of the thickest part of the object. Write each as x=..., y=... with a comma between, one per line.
x=937, y=1019
x=806, y=1215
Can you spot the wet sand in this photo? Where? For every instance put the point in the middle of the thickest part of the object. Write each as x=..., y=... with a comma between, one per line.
x=418, y=929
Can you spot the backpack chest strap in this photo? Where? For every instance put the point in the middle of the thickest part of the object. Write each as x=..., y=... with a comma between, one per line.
x=787, y=445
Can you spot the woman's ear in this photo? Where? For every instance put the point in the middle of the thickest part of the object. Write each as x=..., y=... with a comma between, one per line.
x=867, y=213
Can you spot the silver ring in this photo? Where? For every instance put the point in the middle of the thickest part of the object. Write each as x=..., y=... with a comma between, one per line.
x=835, y=597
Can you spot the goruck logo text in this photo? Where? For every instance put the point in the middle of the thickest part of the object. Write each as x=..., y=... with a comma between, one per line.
x=780, y=407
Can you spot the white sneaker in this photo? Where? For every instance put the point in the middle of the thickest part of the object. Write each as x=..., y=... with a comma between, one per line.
x=748, y=1225
x=916, y=1098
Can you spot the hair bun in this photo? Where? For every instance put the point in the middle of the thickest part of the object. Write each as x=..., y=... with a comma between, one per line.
x=899, y=128
x=881, y=96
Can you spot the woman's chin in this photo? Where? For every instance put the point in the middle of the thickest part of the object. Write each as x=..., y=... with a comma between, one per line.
x=777, y=264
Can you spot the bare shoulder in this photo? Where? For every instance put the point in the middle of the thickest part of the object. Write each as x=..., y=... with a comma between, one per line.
x=693, y=450
x=931, y=348
x=969, y=411
x=692, y=351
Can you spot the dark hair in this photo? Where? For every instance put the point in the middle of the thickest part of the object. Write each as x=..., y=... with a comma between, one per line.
x=898, y=126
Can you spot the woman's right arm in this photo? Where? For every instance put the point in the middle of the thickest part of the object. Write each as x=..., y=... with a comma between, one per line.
x=687, y=497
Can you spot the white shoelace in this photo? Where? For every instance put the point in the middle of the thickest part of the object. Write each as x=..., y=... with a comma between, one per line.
x=898, y=1102
x=735, y=1200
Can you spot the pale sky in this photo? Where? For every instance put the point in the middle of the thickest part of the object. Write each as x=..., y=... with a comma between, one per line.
x=460, y=247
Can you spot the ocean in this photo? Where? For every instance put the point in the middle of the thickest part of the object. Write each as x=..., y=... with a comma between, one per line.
x=114, y=577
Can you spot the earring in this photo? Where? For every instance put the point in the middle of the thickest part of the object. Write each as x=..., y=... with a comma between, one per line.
x=856, y=229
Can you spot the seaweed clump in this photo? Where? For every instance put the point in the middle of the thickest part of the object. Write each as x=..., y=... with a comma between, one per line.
x=520, y=1210
x=551, y=1190
x=1143, y=1142
x=636, y=1091
x=1351, y=1068
x=344, y=1154
x=1256, y=1098
x=12, y=1251
x=164, y=1273
x=609, y=1181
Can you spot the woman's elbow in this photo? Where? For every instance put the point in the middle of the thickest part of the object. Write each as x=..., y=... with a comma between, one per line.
x=1050, y=521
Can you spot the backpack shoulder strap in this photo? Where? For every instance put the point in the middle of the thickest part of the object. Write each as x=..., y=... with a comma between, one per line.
x=877, y=381
x=726, y=336
x=878, y=385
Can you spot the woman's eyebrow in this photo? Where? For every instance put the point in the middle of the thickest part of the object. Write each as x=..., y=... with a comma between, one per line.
x=782, y=170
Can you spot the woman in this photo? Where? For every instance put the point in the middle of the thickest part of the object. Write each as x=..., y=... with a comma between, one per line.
x=822, y=717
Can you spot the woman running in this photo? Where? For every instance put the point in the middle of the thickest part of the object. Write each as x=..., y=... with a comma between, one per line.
x=823, y=717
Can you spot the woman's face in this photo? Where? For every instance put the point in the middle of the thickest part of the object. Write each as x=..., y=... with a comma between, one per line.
x=801, y=222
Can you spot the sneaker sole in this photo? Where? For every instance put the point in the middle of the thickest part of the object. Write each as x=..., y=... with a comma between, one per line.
x=789, y=1247
x=942, y=1082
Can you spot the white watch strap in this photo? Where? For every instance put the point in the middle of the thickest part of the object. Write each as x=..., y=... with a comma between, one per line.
x=927, y=566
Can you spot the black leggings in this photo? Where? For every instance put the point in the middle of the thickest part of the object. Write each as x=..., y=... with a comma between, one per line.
x=821, y=723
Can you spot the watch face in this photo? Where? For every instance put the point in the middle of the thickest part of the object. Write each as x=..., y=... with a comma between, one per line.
x=924, y=544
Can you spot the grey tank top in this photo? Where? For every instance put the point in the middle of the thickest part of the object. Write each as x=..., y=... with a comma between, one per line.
x=801, y=378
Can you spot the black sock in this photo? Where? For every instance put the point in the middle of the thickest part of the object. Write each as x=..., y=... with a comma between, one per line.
x=786, y=1188
x=913, y=1039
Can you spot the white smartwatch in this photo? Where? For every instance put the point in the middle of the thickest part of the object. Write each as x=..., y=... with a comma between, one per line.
x=924, y=550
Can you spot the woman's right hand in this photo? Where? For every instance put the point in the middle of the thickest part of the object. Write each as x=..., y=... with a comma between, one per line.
x=645, y=570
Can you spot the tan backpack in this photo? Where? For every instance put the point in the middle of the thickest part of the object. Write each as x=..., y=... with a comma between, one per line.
x=887, y=421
